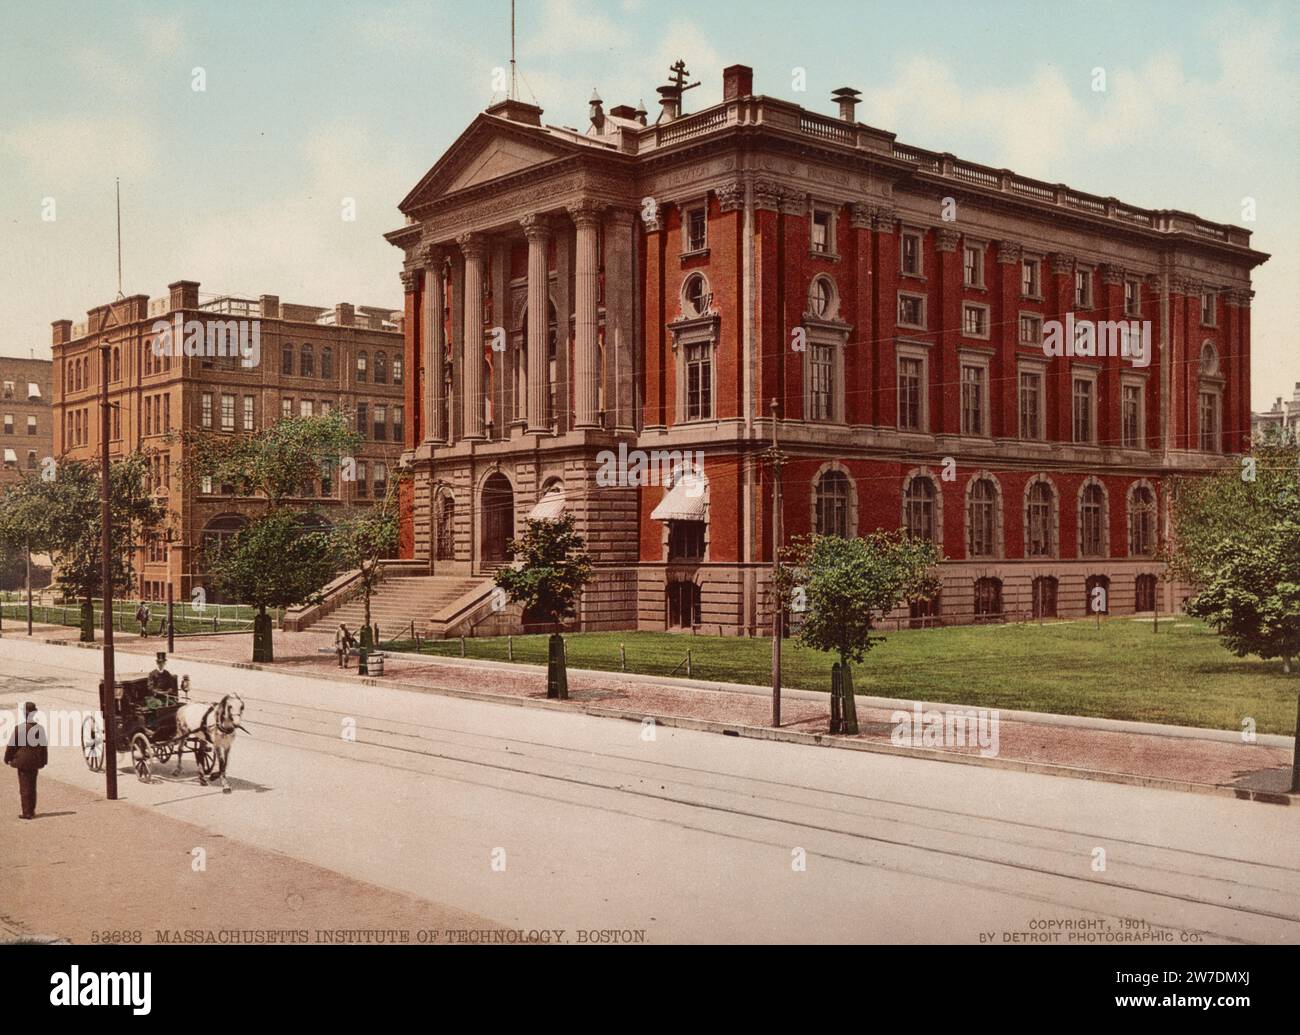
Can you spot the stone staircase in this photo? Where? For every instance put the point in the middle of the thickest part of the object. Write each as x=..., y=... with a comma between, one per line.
x=399, y=601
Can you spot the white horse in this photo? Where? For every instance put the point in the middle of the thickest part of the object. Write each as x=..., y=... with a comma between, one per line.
x=213, y=723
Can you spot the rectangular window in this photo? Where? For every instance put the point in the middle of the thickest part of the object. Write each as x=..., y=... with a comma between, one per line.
x=1031, y=405
x=821, y=363
x=286, y=360
x=380, y=479
x=975, y=321
x=362, y=475
x=205, y=410
x=1131, y=416
x=31, y=425
x=363, y=415
x=972, y=400
x=910, y=381
x=306, y=407
x=1031, y=329
x=381, y=430
x=286, y=407
x=1083, y=408
x=685, y=540
x=167, y=413
x=227, y=412
x=911, y=310
x=973, y=265
x=1132, y=298
x=9, y=423
x=398, y=431
x=1083, y=289
x=1030, y=278
x=821, y=232
x=1207, y=308
x=205, y=485
x=697, y=229
x=1209, y=422
x=910, y=255
x=699, y=382
x=326, y=479
x=248, y=413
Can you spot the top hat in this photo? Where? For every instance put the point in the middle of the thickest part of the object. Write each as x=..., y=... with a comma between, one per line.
x=161, y=657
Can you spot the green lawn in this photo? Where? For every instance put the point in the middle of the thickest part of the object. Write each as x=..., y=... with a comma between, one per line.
x=212, y=618
x=1180, y=675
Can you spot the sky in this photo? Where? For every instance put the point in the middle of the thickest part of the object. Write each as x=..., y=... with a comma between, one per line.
x=241, y=185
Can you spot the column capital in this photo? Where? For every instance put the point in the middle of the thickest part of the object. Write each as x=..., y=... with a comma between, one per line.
x=1112, y=274
x=434, y=256
x=408, y=278
x=586, y=213
x=1061, y=263
x=473, y=246
x=537, y=227
x=883, y=217
x=945, y=240
x=1009, y=253
x=731, y=196
x=860, y=216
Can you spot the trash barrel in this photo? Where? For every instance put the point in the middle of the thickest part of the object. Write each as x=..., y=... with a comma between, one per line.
x=376, y=664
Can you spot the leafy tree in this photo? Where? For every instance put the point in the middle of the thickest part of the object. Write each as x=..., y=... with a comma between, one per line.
x=61, y=516
x=365, y=538
x=278, y=560
x=841, y=585
x=550, y=568
x=1235, y=537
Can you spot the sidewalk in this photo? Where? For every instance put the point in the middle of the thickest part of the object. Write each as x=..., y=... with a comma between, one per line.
x=1212, y=761
x=55, y=871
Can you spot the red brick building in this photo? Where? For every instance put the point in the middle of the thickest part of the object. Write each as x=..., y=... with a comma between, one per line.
x=892, y=302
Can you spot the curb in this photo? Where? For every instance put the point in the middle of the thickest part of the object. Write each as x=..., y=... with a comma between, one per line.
x=777, y=735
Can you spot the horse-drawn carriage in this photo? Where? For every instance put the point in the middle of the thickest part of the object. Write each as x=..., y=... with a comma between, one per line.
x=145, y=709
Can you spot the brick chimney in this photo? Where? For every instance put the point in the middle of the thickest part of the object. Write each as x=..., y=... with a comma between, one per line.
x=517, y=111
x=63, y=333
x=184, y=295
x=848, y=99
x=737, y=81
x=270, y=307
x=344, y=315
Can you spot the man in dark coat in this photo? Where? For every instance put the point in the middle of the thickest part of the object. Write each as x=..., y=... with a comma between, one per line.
x=28, y=752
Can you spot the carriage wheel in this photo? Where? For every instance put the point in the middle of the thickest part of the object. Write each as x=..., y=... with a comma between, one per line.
x=92, y=745
x=163, y=752
x=205, y=757
x=140, y=752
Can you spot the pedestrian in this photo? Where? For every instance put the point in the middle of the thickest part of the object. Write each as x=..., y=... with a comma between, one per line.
x=344, y=642
x=142, y=615
x=28, y=752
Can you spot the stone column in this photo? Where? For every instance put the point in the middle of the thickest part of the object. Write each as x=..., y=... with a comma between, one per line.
x=474, y=248
x=586, y=375
x=435, y=347
x=620, y=324
x=538, y=232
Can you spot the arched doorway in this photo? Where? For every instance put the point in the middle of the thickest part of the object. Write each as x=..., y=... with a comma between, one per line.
x=498, y=518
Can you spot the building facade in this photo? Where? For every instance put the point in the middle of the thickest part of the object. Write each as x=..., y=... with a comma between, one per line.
x=27, y=432
x=911, y=322
x=296, y=360
x=1284, y=417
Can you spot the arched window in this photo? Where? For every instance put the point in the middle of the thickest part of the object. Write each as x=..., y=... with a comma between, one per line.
x=1092, y=520
x=444, y=539
x=823, y=300
x=1097, y=598
x=218, y=533
x=919, y=508
x=286, y=359
x=832, y=504
x=397, y=370
x=327, y=362
x=1040, y=520
x=1141, y=522
x=362, y=365
x=988, y=598
x=982, y=519
x=1045, y=587
x=381, y=368
x=307, y=362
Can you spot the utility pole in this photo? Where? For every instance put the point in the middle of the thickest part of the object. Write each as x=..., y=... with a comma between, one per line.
x=171, y=618
x=776, y=459
x=29, y=589
x=108, y=696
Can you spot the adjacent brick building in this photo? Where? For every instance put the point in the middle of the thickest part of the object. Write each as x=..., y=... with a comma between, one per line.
x=26, y=436
x=892, y=302
x=307, y=360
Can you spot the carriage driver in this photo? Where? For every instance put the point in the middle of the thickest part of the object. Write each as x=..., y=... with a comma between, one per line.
x=162, y=683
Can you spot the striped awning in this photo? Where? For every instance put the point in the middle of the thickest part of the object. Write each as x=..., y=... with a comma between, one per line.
x=548, y=508
x=683, y=502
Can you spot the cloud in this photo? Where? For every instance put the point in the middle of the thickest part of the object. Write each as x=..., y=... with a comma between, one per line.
x=161, y=35
x=71, y=150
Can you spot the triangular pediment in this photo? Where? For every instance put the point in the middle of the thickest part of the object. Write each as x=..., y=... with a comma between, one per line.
x=490, y=149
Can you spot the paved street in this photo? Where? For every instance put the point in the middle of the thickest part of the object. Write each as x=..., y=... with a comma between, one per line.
x=541, y=819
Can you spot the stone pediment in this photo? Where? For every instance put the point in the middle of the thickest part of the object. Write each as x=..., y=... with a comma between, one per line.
x=491, y=149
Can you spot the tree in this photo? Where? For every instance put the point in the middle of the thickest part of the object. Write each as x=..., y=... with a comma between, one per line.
x=278, y=560
x=60, y=515
x=550, y=568
x=840, y=585
x=365, y=538
x=274, y=465
x=1235, y=537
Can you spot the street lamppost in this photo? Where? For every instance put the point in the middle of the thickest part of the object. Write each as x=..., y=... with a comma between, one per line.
x=108, y=695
